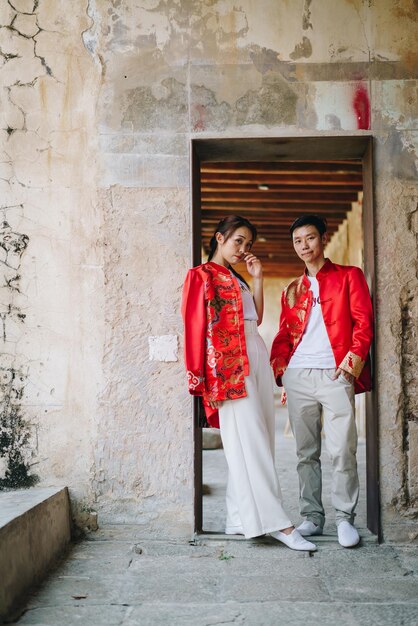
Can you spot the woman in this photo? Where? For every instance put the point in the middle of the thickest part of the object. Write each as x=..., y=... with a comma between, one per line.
x=228, y=365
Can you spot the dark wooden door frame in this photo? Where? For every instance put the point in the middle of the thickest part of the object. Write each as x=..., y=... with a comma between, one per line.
x=196, y=260
x=288, y=149
x=372, y=423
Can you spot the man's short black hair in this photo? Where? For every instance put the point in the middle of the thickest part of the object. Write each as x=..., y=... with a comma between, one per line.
x=310, y=220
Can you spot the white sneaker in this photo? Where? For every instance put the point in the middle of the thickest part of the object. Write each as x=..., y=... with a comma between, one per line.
x=347, y=534
x=294, y=541
x=234, y=530
x=308, y=529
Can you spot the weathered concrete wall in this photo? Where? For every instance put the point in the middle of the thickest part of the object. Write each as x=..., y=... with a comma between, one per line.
x=142, y=465
x=98, y=107
x=346, y=245
x=52, y=273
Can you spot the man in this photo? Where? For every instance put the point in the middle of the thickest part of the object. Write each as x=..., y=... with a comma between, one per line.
x=320, y=356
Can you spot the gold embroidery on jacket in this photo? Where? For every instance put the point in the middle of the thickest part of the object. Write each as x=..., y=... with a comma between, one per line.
x=225, y=356
x=353, y=364
x=217, y=303
x=295, y=290
x=278, y=365
x=224, y=336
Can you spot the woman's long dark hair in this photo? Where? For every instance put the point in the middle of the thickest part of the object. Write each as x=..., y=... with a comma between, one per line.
x=227, y=226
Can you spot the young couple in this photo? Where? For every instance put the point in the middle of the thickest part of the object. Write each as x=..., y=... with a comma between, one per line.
x=320, y=355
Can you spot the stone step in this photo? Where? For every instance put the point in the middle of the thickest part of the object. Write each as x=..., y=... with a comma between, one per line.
x=34, y=531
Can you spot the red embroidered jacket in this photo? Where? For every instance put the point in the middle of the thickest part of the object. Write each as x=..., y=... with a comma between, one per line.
x=214, y=340
x=347, y=311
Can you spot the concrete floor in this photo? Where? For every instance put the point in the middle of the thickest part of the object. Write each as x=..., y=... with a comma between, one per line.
x=119, y=576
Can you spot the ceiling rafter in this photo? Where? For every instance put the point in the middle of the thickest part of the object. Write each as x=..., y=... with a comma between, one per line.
x=272, y=195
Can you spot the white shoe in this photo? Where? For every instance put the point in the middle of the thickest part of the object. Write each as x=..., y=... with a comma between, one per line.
x=309, y=529
x=347, y=534
x=294, y=540
x=234, y=530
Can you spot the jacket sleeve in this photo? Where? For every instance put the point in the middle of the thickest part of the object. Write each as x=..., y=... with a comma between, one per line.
x=362, y=316
x=281, y=347
x=194, y=317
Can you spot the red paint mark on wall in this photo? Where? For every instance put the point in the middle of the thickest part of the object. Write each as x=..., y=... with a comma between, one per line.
x=361, y=105
x=199, y=122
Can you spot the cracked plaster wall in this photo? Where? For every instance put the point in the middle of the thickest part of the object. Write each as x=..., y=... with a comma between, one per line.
x=52, y=332
x=98, y=106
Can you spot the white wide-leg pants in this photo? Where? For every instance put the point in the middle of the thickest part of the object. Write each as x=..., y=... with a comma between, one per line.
x=253, y=497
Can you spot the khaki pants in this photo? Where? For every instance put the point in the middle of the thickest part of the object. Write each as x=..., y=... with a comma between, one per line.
x=310, y=392
x=253, y=497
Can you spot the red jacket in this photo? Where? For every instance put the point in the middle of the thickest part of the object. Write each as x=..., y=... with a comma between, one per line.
x=348, y=316
x=214, y=340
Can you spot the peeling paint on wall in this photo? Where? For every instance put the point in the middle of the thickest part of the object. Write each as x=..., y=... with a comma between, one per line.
x=306, y=18
x=303, y=50
x=160, y=107
x=400, y=156
x=273, y=103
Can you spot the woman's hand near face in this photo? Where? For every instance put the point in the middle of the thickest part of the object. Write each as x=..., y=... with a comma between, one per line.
x=255, y=270
x=254, y=267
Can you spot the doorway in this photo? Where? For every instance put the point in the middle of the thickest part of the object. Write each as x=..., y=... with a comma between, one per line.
x=272, y=181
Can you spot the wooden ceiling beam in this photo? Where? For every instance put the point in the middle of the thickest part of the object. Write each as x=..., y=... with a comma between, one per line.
x=276, y=249
x=294, y=195
x=277, y=184
x=276, y=177
x=278, y=190
x=283, y=216
x=290, y=214
x=285, y=207
x=279, y=218
x=276, y=212
x=281, y=166
x=267, y=231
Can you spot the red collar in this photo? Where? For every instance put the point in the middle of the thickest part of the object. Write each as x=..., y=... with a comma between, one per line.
x=219, y=268
x=327, y=267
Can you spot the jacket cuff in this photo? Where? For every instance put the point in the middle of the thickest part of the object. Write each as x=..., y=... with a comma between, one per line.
x=352, y=364
x=278, y=365
x=196, y=384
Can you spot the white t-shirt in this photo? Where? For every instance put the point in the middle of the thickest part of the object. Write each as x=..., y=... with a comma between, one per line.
x=248, y=304
x=314, y=349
